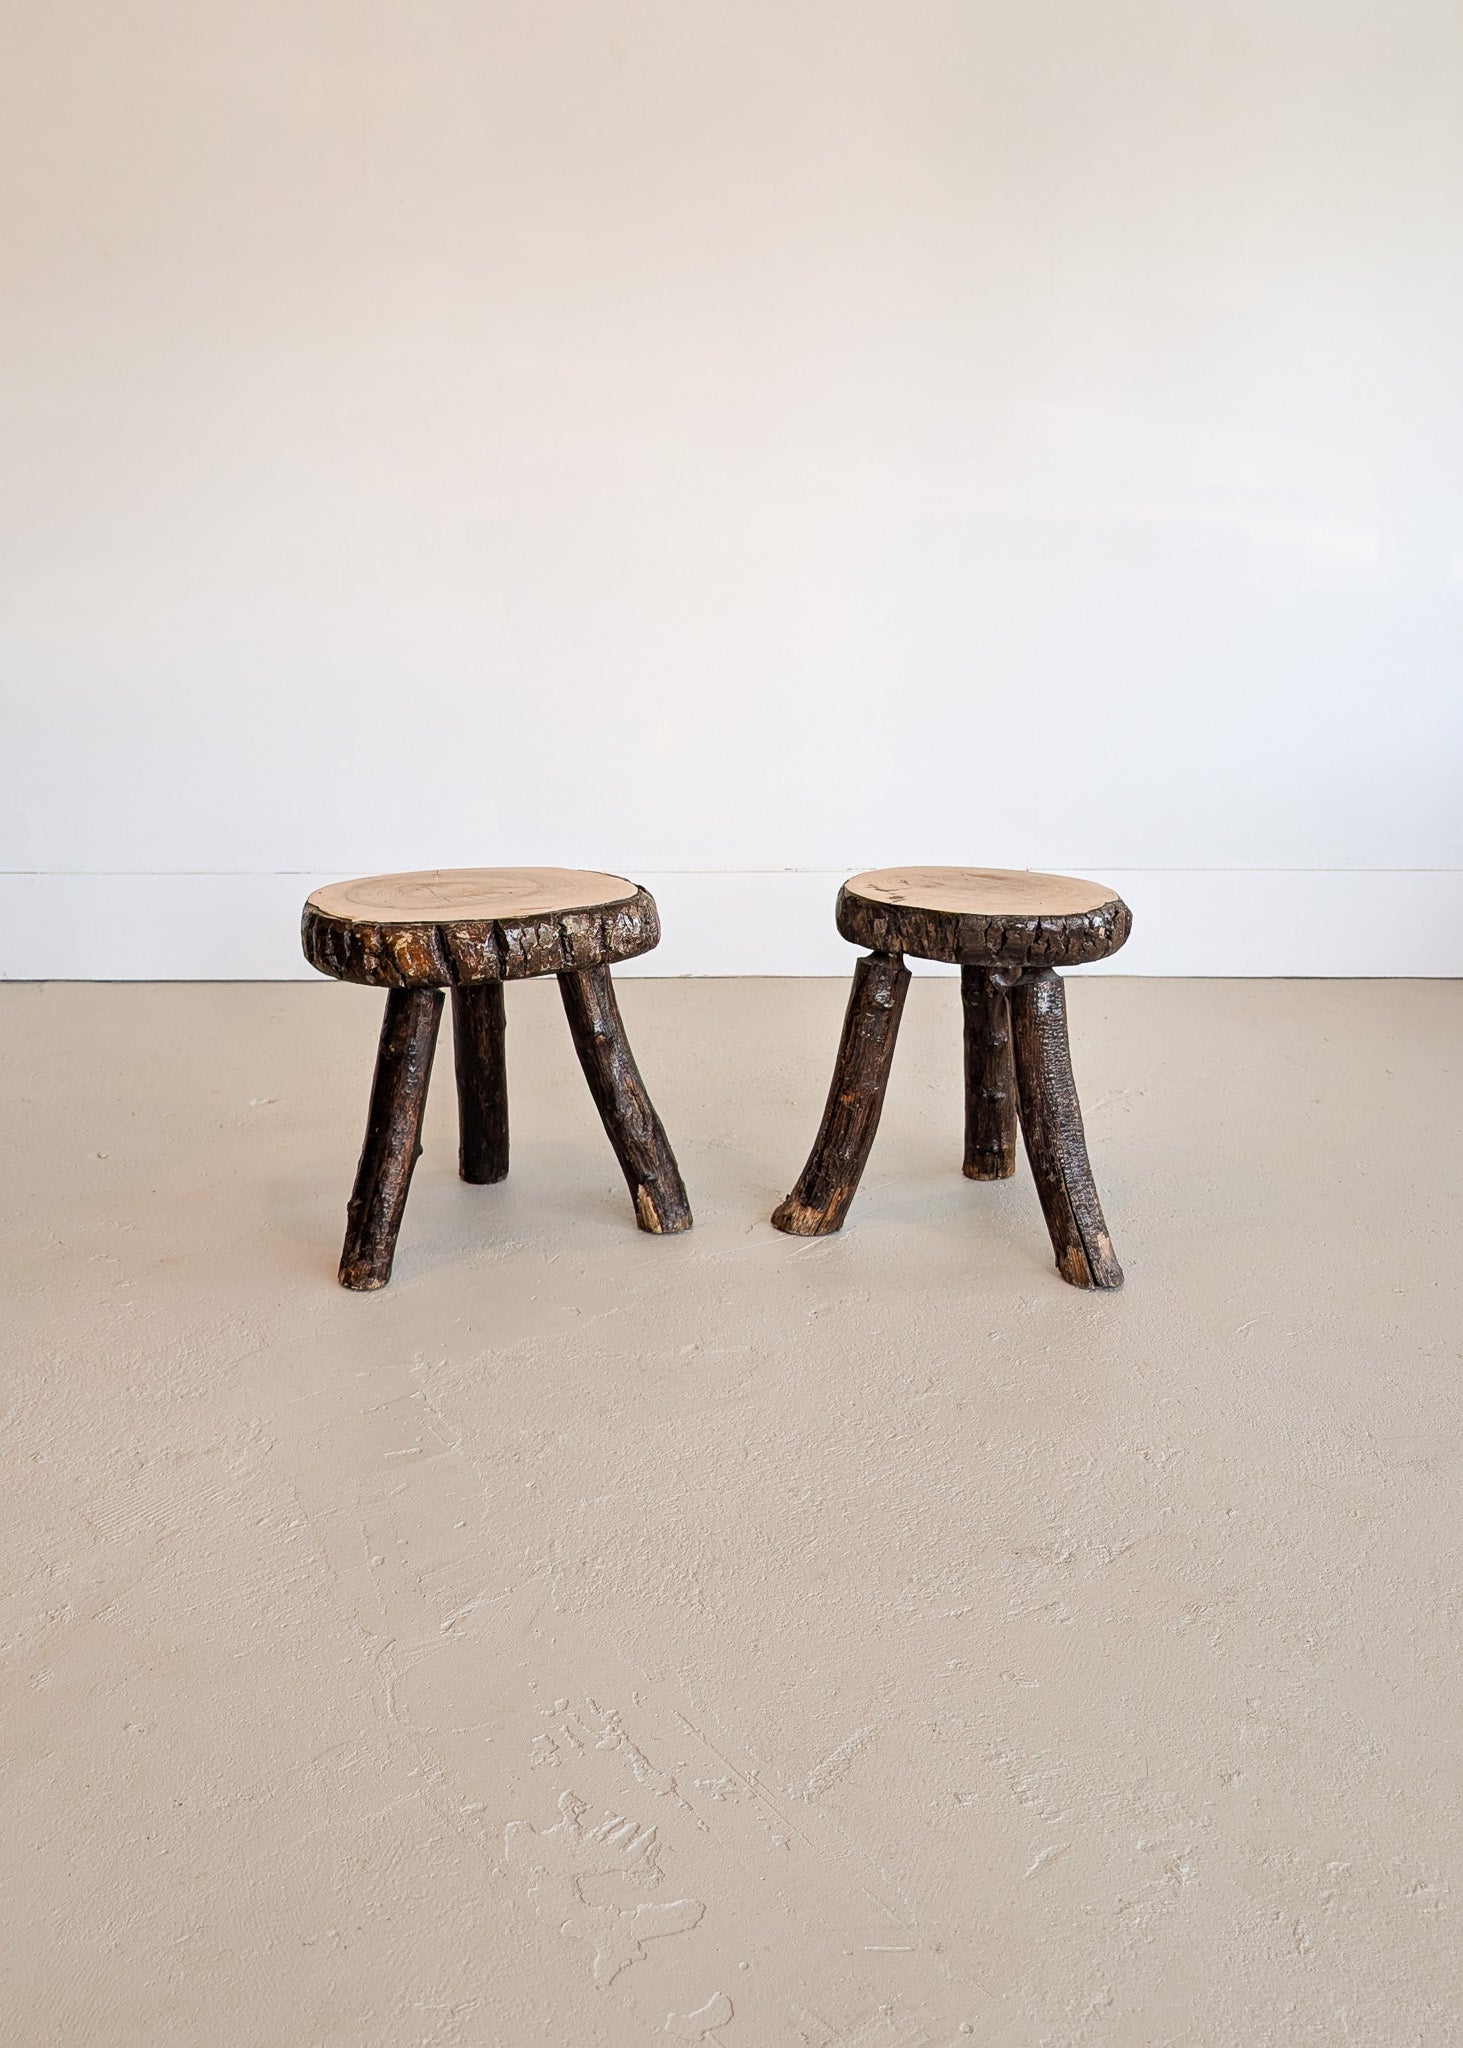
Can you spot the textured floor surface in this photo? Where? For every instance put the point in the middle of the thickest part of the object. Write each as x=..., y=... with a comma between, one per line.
x=601, y=1640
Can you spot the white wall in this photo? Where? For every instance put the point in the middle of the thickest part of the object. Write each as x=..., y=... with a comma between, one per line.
x=718, y=438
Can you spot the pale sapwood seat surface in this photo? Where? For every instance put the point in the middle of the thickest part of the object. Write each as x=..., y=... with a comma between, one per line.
x=971, y=915
x=449, y=927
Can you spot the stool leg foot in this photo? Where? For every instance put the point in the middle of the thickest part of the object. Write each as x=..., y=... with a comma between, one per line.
x=478, y=1027
x=628, y=1115
x=393, y=1142
x=1051, y=1123
x=990, y=1074
x=819, y=1202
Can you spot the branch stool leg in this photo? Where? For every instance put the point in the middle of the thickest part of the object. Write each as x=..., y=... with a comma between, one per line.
x=393, y=1142
x=990, y=1074
x=478, y=1027
x=1051, y=1123
x=628, y=1115
x=819, y=1202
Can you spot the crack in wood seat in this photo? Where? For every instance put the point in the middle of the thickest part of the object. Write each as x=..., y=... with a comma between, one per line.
x=1007, y=930
x=445, y=927
x=470, y=930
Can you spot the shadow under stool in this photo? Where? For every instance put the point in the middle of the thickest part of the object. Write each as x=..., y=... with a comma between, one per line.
x=1007, y=930
x=470, y=930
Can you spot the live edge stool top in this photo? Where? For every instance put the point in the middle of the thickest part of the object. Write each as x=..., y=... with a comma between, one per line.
x=443, y=927
x=975, y=915
x=470, y=930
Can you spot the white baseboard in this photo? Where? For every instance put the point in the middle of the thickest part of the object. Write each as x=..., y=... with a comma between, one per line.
x=197, y=927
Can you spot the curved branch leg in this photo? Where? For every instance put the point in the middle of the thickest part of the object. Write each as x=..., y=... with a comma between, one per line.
x=393, y=1142
x=1051, y=1123
x=840, y=1151
x=990, y=1074
x=478, y=1026
x=628, y=1115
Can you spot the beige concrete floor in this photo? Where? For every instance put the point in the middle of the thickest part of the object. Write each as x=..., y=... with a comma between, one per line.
x=598, y=1639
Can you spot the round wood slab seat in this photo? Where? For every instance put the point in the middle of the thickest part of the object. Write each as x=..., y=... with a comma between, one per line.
x=450, y=927
x=970, y=915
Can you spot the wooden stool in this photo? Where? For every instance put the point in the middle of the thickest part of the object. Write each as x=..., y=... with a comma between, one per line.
x=470, y=930
x=1007, y=930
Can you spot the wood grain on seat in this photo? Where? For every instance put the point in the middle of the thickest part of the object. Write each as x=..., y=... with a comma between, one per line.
x=976, y=916
x=982, y=892
x=451, y=927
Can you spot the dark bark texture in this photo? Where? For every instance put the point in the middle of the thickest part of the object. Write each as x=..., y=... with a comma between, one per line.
x=628, y=1115
x=1051, y=1123
x=393, y=1136
x=990, y=1074
x=819, y=1202
x=967, y=940
x=456, y=951
x=479, y=1054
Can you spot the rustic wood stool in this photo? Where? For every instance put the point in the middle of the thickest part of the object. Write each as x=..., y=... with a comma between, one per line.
x=470, y=930
x=1007, y=930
